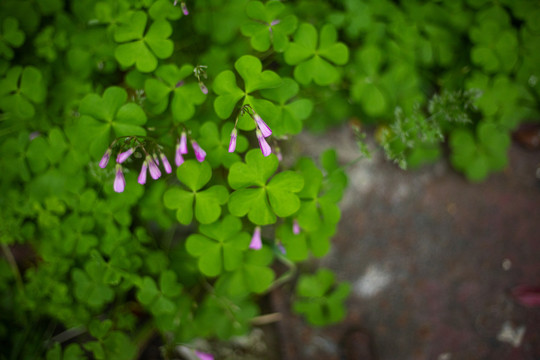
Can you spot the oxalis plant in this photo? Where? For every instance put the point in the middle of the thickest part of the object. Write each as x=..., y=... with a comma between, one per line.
x=146, y=184
x=144, y=187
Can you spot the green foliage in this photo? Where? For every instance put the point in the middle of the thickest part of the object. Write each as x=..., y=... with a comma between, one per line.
x=120, y=248
x=311, y=54
x=319, y=299
x=195, y=176
x=262, y=200
x=141, y=47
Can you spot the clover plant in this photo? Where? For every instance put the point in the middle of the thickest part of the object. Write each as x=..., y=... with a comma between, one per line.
x=148, y=183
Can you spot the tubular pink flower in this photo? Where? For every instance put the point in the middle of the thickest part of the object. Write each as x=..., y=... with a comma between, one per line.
x=256, y=242
x=204, y=89
x=183, y=143
x=265, y=148
x=142, y=175
x=166, y=164
x=204, y=356
x=232, y=144
x=295, y=227
x=154, y=170
x=121, y=157
x=184, y=8
x=119, y=181
x=178, y=159
x=200, y=154
x=265, y=129
x=281, y=248
x=105, y=159
x=156, y=159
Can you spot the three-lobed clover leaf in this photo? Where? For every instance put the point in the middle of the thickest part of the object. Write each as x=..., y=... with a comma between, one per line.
x=270, y=26
x=478, y=155
x=225, y=86
x=219, y=246
x=253, y=275
x=164, y=9
x=216, y=144
x=261, y=200
x=90, y=287
x=319, y=300
x=171, y=80
x=290, y=113
x=20, y=89
x=195, y=176
x=159, y=300
x=308, y=52
x=140, y=48
x=103, y=116
x=10, y=37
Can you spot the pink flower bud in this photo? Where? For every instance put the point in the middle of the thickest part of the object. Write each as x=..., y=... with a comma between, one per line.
x=204, y=356
x=265, y=148
x=119, y=181
x=166, y=164
x=204, y=89
x=184, y=8
x=232, y=144
x=142, y=175
x=178, y=159
x=121, y=157
x=265, y=129
x=183, y=143
x=105, y=159
x=295, y=227
x=200, y=154
x=256, y=242
x=154, y=170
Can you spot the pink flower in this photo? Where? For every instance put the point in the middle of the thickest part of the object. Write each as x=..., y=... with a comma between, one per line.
x=142, y=175
x=105, y=159
x=184, y=8
x=119, y=181
x=256, y=242
x=295, y=227
x=178, y=159
x=166, y=164
x=204, y=356
x=154, y=170
x=200, y=154
x=265, y=129
x=121, y=157
x=265, y=148
x=183, y=143
x=204, y=89
x=232, y=144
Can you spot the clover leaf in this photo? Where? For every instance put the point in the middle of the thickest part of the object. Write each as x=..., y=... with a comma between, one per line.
x=185, y=96
x=208, y=202
x=225, y=86
x=253, y=275
x=159, y=300
x=216, y=144
x=103, y=116
x=319, y=300
x=140, y=48
x=270, y=25
x=290, y=113
x=164, y=9
x=259, y=198
x=90, y=287
x=219, y=246
x=477, y=155
x=10, y=37
x=20, y=89
x=308, y=53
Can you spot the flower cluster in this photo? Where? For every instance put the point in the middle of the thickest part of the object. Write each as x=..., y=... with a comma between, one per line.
x=262, y=131
x=151, y=161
